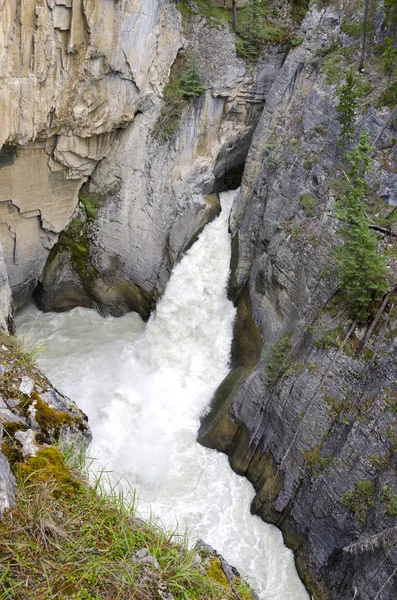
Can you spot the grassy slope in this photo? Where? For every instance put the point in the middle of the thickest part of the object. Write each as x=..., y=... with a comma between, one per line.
x=66, y=539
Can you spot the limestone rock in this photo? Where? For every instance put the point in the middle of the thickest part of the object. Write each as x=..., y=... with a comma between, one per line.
x=72, y=75
x=6, y=308
x=27, y=385
x=323, y=430
x=7, y=482
x=156, y=198
x=28, y=442
x=143, y=556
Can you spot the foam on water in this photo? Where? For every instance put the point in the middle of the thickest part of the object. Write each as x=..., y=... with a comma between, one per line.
x=144, y=387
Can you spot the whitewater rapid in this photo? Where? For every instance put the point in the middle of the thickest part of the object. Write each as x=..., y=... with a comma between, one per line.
x=144, y=387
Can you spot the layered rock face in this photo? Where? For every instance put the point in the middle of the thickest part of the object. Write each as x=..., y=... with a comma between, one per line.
x=72, y=74
x=153, y=196
x=6, y=307
x=316, y=434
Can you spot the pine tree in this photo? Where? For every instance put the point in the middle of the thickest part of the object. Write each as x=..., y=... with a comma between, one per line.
x=191, y=85
x=253, y=28
x=390, y=7
x=389, y=58
x=363, y=272
x=347, y=111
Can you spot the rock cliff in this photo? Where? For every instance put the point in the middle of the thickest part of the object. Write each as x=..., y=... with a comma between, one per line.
x=154, y=194
x=308, y=413
x=82, y=94
x=73, y=74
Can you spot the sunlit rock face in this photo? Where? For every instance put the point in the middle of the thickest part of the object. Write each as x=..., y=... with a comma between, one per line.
x=155, y=196
x=72, y=75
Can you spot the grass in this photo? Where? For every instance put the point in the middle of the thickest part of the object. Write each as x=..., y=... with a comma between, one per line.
x=17, y=353
x=216, y=15
x=66, y=539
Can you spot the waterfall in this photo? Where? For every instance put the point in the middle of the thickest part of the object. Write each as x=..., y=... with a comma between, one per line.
x=144, y=387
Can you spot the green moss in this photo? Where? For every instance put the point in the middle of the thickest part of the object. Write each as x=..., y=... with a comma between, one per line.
x=312, y=457
x=295, y=368
x=270, y=152
x=360, y=499
x=308, y=204
x=378, y=461
x=89, y=203
x=310, y=161
x=46, y=466
x=315, y=462
x=215, y=15
x=215, y=572
x=50, y=419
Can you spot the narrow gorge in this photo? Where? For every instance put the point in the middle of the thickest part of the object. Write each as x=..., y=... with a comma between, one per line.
x=197, y=235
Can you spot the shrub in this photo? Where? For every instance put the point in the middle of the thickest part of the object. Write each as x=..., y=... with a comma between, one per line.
x=308, y=203
x=279, y=360
x=359, y=499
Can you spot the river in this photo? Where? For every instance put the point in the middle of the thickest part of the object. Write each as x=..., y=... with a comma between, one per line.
x=144, y=386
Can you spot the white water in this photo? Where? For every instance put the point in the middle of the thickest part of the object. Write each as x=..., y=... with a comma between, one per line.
x=144, y=387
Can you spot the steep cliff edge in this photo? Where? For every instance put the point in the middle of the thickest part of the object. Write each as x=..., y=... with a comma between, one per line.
x=308, y=414
x=154, y=191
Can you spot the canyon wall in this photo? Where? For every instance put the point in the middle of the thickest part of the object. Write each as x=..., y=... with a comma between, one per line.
x=154, y=195
x=73, y=74
x=82, y=93
x=316, y=432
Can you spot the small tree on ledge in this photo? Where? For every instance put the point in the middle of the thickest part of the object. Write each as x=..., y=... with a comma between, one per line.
x=191, y=85
x=363, y=272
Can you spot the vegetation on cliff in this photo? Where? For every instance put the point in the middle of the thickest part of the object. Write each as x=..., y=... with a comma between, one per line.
x=67, y=539
x=363, y=272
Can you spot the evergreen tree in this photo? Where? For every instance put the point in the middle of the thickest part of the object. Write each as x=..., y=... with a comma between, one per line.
x=390, y=7
x=389, y=58
x=363, y=272
x=347, y=111
x=253, y=28
x=191, y=85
